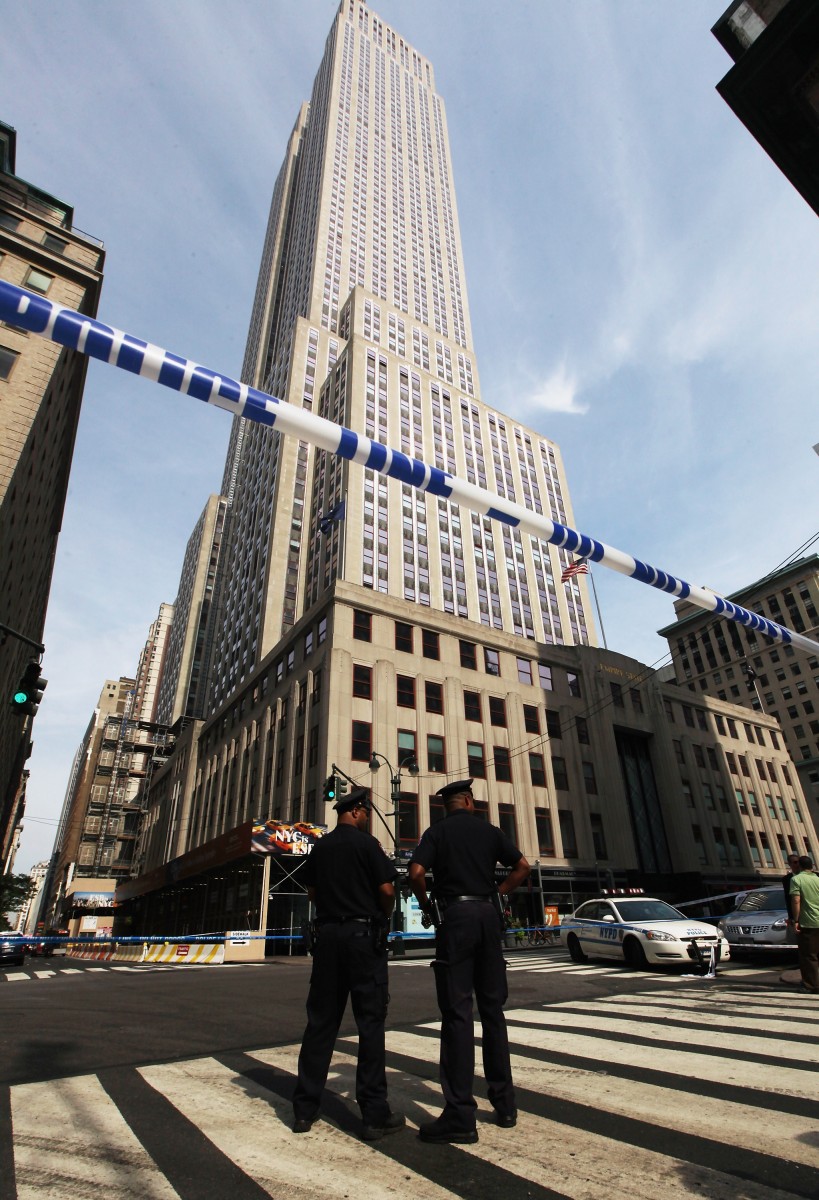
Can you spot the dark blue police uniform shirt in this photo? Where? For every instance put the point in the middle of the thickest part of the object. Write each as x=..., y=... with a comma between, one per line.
x=346, y=867
x=461, y=852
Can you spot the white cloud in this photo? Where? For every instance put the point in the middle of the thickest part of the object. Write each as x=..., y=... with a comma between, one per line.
x=557, y=394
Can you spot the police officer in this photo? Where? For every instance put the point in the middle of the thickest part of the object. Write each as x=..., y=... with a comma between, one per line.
x=350, y=881
x=461, y=852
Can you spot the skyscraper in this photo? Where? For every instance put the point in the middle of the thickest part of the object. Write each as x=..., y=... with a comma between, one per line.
x=361, y=624
x=361, y=313
x=41, y=389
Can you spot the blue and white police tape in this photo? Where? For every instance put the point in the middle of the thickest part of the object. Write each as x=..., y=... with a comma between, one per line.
x=63, y=325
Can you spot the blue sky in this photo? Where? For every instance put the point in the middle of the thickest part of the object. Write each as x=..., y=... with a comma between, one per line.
x=642, y=285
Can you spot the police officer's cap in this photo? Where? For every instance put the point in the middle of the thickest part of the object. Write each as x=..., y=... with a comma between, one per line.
x=358, y=798
x=450, y=790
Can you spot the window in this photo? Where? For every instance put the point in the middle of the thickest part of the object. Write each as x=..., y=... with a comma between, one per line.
x=362, y=625
x=322, y=631
x=403, y=637
x=553, y=724
x=582, y=727
x=616, y=695
x=589, y=778
x=436, y=758
x=38, y=281
x=545, y=837
x=407, y=753
x=405, y=691
x=430, y=642
x=363, y=682
x=537, y=770
x=559, y=771
x=574, y=683
x=688, y=715
x=408, y=820
x=361, y=741
x=434, y=693
x=679, y=753
x=524, y=670
x=598, y=836
x=497, y=711
x=506, y=822
x=7, y=221
x=567, y=834
x=503, y=764
x=491, y=660
x=702, y=855
x=636, y=700
x=469, y=658
x=54, y=244
x=531, y=720
x=472, y=706
x=545, y=677
x=476, y=760
x=8, y=358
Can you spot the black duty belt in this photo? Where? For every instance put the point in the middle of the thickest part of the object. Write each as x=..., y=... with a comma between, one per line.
x=445, y=900
x=347, y=921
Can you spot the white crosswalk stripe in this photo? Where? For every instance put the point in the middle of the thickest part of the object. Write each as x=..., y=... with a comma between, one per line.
x=680, y=1091
x=558, y=962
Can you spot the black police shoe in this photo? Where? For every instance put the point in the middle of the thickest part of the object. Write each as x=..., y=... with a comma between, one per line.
x=506, y=1120
x=392, y=1123
x=441, y=1131
x=303, y=1124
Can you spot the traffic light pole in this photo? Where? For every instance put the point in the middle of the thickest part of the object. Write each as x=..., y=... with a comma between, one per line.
x=6, y=632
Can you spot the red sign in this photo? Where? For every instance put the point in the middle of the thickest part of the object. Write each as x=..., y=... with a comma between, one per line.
x=182, y=951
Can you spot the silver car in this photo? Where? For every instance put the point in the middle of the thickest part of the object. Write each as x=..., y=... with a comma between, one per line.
x=759, y=923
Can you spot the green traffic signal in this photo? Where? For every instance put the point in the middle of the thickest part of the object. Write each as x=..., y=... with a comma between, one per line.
x=29, y=692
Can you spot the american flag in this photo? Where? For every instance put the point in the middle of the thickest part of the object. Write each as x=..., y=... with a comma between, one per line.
x=581, y=567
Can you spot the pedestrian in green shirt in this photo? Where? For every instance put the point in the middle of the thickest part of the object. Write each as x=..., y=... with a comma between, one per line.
x=805, y=894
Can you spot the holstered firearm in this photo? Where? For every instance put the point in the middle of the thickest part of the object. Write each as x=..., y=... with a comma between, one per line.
x=380, y=931
x=310, y=933
x=432, y=914
x=504, y=915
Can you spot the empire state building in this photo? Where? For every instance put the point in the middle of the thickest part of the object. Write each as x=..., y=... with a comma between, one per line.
x=354, y=613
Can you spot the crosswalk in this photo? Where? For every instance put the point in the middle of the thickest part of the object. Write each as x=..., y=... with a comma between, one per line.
x=551, y=962
x=548, y=962
x=679, y=1091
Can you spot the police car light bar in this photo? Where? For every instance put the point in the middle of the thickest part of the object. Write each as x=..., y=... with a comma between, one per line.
x=624, y=891
x=88, y=336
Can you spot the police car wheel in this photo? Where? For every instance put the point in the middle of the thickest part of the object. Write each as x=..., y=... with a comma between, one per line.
x=575, y=949
x=634, y=954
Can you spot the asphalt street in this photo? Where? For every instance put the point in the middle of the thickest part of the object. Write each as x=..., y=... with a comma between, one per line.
x=164, y=1081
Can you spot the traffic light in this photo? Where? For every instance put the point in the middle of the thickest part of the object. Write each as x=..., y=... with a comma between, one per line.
x=29, y=691
x=330, y=789
x=342, y=786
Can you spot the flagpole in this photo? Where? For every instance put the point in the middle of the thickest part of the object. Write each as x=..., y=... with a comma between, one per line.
x=597, y=606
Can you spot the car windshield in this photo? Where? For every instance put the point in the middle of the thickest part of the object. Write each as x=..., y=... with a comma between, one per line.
x=648, y=910
x=763, y=901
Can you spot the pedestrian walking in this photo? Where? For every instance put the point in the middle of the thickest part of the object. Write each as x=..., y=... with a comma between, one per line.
x=805, y=896
x=350, y=881
x=461, y=852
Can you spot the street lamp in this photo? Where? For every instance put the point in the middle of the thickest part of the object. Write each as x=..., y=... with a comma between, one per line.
x=411, y=765
x=395, y=783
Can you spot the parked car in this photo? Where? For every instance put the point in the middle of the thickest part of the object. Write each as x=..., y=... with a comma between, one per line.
x=639, y=930
x=12, y=949
x=759, y=923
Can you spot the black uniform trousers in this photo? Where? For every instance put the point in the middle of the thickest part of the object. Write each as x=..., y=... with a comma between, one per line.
x=469, y=958
x=345, y=963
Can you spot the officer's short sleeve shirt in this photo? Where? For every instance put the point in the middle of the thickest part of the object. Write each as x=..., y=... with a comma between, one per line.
x=347, y=867
x=462, y=851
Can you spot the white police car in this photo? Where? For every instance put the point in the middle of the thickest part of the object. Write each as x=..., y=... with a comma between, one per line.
x=640, y=930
